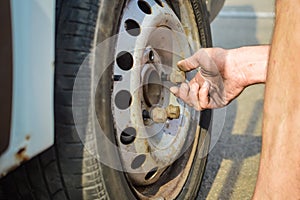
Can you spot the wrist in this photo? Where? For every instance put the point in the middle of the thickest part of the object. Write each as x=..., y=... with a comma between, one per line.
x=236, y=66
x=220, y=57
x=255, y=73
x=250, y=64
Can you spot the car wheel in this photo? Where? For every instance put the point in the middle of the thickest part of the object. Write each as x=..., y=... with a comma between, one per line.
x=114, y=138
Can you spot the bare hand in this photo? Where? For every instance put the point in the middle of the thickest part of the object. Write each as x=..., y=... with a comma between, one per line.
x=218, y=81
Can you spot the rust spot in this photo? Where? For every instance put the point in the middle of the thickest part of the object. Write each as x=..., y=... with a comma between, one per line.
x=27, y=137
x=21, y=155
x=21, y=151
x=2, y=175
x=148, y=148
x=167, y=125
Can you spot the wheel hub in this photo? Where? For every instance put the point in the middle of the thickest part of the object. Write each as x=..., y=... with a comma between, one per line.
x=152, y=85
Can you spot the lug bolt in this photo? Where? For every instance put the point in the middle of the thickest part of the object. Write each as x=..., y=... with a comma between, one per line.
x=151, y=56
x=118, y=77
x=165, y=77
x=146, y=114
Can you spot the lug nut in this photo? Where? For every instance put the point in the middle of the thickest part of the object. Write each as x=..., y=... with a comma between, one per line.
x=177, y=76
x=159, y=115
x=173, y=112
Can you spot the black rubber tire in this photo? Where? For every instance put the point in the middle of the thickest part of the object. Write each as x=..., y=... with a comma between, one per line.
x=214, y=7
x=66, y=171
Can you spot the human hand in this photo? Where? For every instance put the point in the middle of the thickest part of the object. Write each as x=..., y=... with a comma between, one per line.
x=220, y=79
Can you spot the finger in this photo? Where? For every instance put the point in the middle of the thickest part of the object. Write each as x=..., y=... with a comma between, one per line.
x=193, y=62
x=204, y=95
x=199, y=78
x=208, y=66
x=174, y=90
x=194, y=96
x=183, y=92
x=188, y=64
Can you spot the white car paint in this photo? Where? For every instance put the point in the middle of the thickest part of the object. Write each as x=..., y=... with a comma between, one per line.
x=32, y=127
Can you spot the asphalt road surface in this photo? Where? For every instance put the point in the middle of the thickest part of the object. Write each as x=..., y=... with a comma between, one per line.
x=233, y=162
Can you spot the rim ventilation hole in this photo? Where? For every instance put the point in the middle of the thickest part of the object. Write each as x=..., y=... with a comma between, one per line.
x=125, y=60
x=128, y=135
x=132, y=27
x=138, y=161
x=145, y=7
x=159, y=3
x=151, y=173
x=123, y=99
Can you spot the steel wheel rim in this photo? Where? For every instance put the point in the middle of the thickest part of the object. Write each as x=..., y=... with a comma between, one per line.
x=143, y=155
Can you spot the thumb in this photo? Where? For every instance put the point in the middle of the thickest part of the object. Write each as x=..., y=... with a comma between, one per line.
x=202, y=58
x=189, y=64
x=207, y=65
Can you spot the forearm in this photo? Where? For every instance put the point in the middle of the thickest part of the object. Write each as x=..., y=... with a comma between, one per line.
x=252, y=61
x=279, y=173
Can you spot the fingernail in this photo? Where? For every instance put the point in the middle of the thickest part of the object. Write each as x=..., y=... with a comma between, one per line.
x=174, y=89
x=179, y=63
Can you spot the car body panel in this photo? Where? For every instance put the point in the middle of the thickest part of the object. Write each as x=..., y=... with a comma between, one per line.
x=32, y=122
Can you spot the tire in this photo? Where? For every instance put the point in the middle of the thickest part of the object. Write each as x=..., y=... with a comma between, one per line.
x=67, y=170
x=214, y=7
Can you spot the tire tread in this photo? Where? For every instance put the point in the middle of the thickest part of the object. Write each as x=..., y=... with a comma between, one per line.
x=57, y=174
